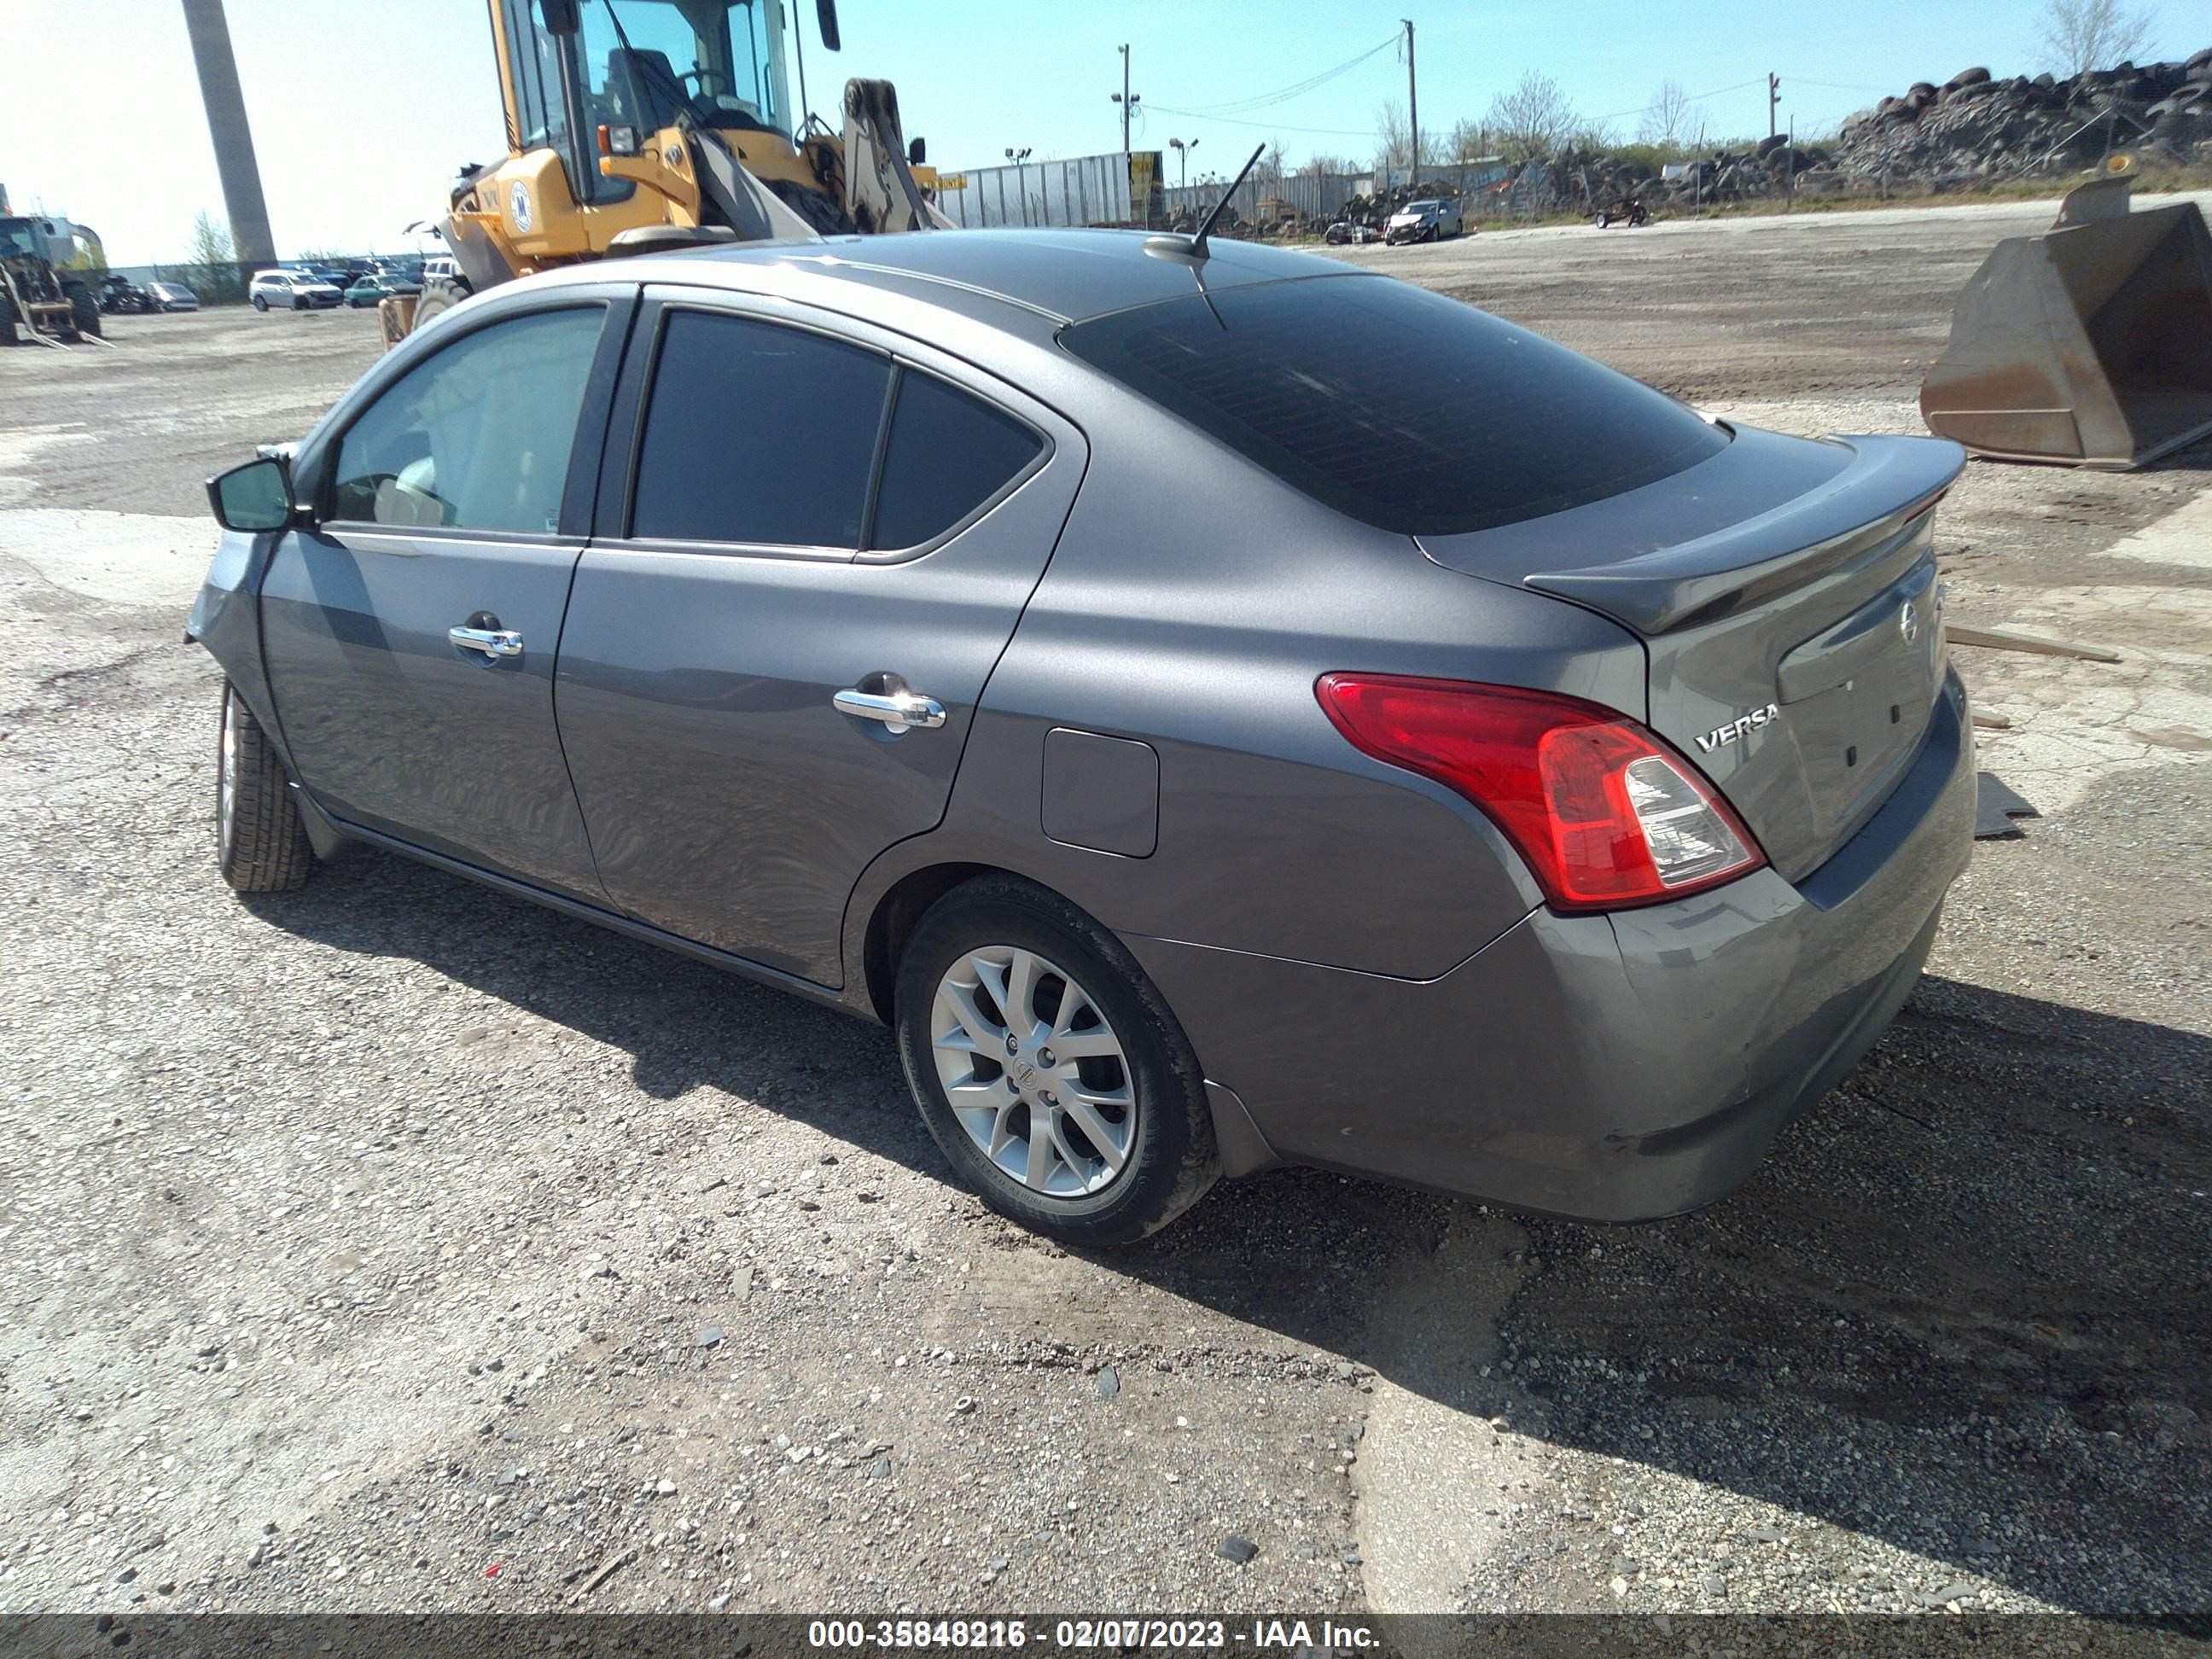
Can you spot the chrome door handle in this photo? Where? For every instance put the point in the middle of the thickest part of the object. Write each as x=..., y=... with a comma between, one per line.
x=492, y=642
x=896, y=709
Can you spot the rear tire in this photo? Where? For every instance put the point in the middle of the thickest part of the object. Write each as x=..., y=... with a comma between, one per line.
x=440, y=295
x=261, y=844
x=1162, y=1130
x=261, y=302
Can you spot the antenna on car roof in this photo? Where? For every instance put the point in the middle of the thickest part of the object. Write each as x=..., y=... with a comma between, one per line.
x=1174, y=247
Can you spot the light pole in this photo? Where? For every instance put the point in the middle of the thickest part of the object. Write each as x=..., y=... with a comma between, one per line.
x=1021, y=179
x=1183, y=147
x=1128, y=99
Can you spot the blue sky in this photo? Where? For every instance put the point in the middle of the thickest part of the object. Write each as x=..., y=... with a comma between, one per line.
x=361, y=112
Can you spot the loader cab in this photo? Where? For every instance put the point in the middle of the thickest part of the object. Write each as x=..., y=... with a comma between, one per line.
x=21, y=239
x=577, y=65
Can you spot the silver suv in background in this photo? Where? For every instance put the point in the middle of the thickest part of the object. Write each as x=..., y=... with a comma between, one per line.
x=292, y=288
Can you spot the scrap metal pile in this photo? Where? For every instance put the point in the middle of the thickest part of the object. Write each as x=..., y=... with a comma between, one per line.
x=1975, y=127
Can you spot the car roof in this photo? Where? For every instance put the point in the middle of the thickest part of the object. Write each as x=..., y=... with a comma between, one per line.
x=1055, y=276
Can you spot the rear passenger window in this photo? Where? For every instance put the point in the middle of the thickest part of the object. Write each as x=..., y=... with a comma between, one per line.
x=948, y=455
x=758, y=432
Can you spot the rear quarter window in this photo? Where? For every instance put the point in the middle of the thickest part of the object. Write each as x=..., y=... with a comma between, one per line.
x=947, y=453
x=1398, y=407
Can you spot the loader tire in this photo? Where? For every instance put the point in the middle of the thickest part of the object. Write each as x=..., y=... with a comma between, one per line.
x=440, y=295
x=8, y=336
x=84, y=310
x=825, y=213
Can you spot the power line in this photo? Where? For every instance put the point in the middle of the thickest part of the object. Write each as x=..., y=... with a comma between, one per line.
x=1694, y=98
x=1834, y=86
x=1262, y=126
x=1267, y=99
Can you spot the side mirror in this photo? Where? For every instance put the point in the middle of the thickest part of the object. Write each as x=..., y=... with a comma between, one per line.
x=255, y=497
x=825, y=13
x=560, y=15
x=917, y=152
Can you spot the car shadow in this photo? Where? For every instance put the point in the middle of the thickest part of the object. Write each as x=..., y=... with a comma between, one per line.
x=1961, y=1307
x=1974, y=1276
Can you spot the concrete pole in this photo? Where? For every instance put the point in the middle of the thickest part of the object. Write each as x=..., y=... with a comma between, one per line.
x=233, y=140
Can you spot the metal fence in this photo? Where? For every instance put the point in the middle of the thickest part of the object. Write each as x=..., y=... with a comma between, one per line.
x=1322, y=195
x=1123, y=189
x=1087, y=190
x=1311, y=195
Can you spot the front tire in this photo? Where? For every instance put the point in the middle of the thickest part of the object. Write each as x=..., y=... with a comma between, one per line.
x=440, y=295
x=1049, y=1069
x=261, y=844
x=84, y=310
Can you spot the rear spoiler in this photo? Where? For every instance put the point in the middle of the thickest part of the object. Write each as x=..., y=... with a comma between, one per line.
x=1887, y=485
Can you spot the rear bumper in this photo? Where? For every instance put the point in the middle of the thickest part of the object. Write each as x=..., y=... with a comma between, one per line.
x=1615, y=1068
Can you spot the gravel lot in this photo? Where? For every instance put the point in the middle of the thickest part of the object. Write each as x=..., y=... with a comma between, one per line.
x=394, y=1245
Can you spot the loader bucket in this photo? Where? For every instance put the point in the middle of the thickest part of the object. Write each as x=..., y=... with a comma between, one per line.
x=2088, y=345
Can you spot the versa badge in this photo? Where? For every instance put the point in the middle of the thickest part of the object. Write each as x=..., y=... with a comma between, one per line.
x=1737, y=727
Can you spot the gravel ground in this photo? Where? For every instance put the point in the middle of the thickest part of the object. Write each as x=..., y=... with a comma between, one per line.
x=393, y=1245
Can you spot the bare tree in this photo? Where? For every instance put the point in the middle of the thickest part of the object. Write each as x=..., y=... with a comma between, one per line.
x=1327, y=167
x=2086, y=34
x=1666, y=116
x=1533, y=120
x=1393, y=144
x=1469, y=141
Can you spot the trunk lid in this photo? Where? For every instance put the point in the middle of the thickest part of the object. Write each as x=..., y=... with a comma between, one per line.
x=1785, y=594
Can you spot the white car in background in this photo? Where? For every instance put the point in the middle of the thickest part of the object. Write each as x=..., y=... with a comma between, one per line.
x=292, y=288
x=1431, y=220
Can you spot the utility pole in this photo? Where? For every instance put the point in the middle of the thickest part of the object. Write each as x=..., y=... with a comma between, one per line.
x=1773, y=99
x=1413, y=109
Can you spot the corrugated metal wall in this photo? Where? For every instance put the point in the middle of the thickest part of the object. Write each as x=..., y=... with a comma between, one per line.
x=1087, y=190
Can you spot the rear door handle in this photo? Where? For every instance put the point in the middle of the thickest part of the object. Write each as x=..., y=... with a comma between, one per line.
x=492, y=642
x=898, y=709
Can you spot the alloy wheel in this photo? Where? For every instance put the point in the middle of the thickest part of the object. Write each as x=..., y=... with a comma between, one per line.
x=1034, y=1072
x=227, y=773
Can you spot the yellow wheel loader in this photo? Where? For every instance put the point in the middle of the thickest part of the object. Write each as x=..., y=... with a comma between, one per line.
x=52, y=305
x=638, y=125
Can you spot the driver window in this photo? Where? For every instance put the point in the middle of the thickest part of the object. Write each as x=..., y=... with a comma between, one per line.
x=477, y=437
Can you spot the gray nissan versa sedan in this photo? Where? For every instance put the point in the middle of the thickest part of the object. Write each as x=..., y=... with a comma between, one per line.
x=1221, y=711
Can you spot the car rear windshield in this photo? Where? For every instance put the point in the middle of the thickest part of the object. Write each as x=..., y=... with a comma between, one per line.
x=1396, y=406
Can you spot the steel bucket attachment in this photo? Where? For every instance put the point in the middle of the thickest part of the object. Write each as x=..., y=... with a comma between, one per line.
x=2089, y=345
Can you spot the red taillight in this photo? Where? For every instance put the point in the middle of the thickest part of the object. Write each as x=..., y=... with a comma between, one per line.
x=1606, y=814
